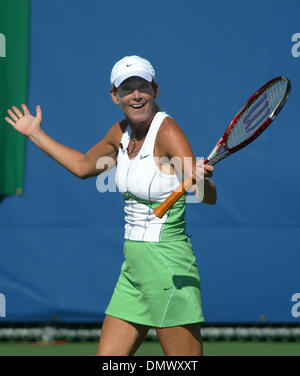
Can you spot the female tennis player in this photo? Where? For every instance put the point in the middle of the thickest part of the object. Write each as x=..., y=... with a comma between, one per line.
x=159, y=284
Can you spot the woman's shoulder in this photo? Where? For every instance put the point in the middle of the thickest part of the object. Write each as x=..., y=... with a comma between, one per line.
x=170, y=137
x=116, y=132
x=169, y=128
x=119, y=127
x=122, y=125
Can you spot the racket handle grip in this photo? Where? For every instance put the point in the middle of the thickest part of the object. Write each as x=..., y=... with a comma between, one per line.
x=175, y=196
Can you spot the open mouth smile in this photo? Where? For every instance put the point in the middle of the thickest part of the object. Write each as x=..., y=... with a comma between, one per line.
x=137, y=106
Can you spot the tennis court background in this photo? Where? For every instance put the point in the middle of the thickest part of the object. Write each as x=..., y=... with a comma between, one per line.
x=61, y=242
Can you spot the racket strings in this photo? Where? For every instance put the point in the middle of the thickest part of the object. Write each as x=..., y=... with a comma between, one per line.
x=256, y=112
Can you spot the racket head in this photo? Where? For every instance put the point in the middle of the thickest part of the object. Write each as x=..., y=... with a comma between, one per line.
x=256, y=114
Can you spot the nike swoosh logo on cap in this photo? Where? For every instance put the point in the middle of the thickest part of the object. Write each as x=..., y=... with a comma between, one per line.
x=144, y=156
x=128, y=65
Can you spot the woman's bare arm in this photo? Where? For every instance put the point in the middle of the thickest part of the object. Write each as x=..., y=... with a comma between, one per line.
x=80, y=164
x=172, y=142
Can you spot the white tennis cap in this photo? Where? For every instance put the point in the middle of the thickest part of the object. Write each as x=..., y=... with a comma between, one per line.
x=131, y=66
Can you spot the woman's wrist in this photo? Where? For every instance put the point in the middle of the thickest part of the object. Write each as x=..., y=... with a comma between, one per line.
x=36, y=135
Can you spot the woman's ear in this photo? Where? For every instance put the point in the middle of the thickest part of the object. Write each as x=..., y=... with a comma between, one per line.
x=114, y=96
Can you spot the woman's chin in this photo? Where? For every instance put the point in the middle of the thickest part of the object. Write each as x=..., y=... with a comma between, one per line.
x=138, y=116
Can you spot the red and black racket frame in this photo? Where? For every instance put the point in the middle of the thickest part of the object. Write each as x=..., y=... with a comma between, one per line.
x=214, y=157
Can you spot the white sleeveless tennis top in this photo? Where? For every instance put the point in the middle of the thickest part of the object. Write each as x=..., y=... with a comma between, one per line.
x=144, y=186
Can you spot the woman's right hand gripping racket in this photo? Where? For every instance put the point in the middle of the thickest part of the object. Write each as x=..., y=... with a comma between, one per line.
x=252, y=119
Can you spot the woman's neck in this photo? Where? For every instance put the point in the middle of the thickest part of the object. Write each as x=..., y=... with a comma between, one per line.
x=139, y=130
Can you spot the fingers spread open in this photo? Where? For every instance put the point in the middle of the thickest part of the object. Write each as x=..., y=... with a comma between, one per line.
x=9, y=120
x=25, y=109
x=17, y=112
x=12, y=115
x=39, y=112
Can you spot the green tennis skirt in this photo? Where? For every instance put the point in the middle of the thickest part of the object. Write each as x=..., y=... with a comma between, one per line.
x=159, y=285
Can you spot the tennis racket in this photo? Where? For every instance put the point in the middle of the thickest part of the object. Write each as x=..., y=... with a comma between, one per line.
x=252, y=119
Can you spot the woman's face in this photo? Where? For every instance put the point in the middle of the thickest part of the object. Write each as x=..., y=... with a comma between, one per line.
x=136, y=99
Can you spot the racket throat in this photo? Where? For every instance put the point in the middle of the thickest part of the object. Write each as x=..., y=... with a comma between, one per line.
x=215, y=151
